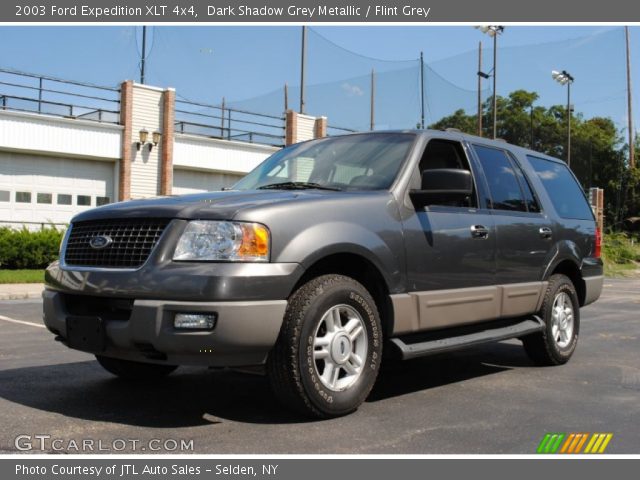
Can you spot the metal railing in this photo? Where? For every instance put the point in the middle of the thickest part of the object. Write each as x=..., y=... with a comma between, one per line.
x=218, y=121
x=28, y=92
x=332, y=130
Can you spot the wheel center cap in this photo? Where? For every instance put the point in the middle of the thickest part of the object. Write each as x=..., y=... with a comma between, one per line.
x=341, y=348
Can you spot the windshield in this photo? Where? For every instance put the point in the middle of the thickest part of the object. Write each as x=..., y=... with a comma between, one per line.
x=351, y=162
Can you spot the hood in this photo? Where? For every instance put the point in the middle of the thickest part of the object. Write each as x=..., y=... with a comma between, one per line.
x=211, y=205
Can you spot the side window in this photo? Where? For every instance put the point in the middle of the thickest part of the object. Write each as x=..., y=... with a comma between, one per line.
x=529, y=197
x=504, y=187
x=566, y=194
x=447, y=154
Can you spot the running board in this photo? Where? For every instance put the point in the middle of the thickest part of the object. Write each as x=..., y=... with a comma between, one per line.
x=463, y=340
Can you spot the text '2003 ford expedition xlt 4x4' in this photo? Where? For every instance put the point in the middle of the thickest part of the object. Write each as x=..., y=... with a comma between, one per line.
x=422, y=241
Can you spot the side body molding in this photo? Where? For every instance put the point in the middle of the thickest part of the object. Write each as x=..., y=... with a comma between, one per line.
x=418, y=311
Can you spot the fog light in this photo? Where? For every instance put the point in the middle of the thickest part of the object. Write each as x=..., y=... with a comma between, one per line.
x=195, y=321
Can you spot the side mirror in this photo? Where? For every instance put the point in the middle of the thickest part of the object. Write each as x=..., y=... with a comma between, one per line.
x=444, y=185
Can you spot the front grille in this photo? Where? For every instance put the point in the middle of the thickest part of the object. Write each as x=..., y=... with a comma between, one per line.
x=132, y=241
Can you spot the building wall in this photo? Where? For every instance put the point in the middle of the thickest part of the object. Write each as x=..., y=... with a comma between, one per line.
x=210, y=154
x=21, y=131
x=87, y=162
x=145, y=164
x=39, y=188
x=196, y=181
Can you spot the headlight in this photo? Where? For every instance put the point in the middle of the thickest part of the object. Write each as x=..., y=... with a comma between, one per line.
x=224, y=241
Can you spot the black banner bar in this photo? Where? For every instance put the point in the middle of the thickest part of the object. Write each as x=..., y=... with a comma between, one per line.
x=322, y=11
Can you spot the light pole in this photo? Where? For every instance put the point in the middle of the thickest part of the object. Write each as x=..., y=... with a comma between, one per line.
x=565, y=78
x=493, y=31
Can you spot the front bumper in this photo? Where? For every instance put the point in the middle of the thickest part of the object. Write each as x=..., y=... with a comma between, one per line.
x=244, y=333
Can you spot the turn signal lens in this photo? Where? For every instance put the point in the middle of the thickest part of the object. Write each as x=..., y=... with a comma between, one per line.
x=255, y=241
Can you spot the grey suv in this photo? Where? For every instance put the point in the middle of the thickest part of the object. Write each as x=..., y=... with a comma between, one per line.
x=421, y=241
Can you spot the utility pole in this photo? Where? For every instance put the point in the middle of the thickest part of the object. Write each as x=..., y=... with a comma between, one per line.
x=565, y=78
x=632, y=147
x=479, y=89
x=495, y=93
x=303, y=66
x=494, y=31
x=286, y=97
x=569, y=123
x=143, y=53
x=373, y=100
x=422, y=90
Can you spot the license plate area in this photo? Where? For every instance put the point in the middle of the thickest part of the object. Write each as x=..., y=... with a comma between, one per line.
x=86, y=333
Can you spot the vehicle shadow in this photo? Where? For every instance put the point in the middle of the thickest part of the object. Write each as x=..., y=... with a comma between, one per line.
x=194, y=397
x=402, y=377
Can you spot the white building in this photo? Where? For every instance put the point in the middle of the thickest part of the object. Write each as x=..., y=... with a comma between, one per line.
x=61, y=153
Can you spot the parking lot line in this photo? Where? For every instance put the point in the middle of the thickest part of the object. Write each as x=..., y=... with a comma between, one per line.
x=13, y=320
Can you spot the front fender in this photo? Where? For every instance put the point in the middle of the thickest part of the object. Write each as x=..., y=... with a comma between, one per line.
x=384, y=250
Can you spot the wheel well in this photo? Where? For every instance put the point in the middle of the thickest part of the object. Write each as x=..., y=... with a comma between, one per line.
x=571, y=270
x=361, y=270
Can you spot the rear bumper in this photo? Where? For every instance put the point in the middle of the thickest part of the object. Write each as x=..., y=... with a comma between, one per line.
x=244, y=334
x=593, y=288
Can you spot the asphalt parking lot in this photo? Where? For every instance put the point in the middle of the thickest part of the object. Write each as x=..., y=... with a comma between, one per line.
x=488, y=399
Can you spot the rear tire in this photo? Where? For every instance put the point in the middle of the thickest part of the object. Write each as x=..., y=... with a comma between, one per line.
x=561, y=313
x=327, y=356
x=131, y=370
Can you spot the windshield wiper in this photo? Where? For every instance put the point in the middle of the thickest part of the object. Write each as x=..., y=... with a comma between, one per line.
x=296, y=186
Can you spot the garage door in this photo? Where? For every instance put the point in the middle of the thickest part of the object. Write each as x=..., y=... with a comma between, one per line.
x=47, y=189
x=196, y=181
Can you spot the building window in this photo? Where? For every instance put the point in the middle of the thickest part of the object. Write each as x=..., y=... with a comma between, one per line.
x=5, y=195
x=64, y=199
x=83, y=200
x=102, y=201
x=23, y=197
x=44, y=198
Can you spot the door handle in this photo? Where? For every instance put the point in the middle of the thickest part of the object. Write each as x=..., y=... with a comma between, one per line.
x=545, y=232
x=479, y=231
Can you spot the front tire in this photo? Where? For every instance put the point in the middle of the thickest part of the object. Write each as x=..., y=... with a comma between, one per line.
x=131, y=370
x=561, y=313
x=327, y=356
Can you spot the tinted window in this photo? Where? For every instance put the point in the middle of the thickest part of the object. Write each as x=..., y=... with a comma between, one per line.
x=5, y=196
x=446, y=154
x=84, y=200
x=64, y=199
x=102, y=201
x=23, y=197
x=566, y=194
x=44, y=198
x=504, y=187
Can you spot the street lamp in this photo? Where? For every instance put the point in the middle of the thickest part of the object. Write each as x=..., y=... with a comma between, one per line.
x=565, y=78
x=493, y=31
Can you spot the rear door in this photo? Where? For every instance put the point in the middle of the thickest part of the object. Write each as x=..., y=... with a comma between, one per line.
x=524, y=233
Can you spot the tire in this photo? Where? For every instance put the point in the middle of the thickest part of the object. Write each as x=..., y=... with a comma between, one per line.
x=131, y=370
x=327, y=356
x=561, y=314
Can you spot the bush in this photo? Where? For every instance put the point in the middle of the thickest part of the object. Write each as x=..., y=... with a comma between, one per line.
x=618, y=249
x=26, y=249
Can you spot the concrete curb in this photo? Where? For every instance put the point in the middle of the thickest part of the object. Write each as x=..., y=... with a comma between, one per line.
x=20, y=291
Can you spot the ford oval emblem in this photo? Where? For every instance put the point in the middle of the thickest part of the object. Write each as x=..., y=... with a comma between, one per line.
x=101, y=241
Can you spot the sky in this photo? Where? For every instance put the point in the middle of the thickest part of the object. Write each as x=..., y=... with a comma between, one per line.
x=207, y=63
